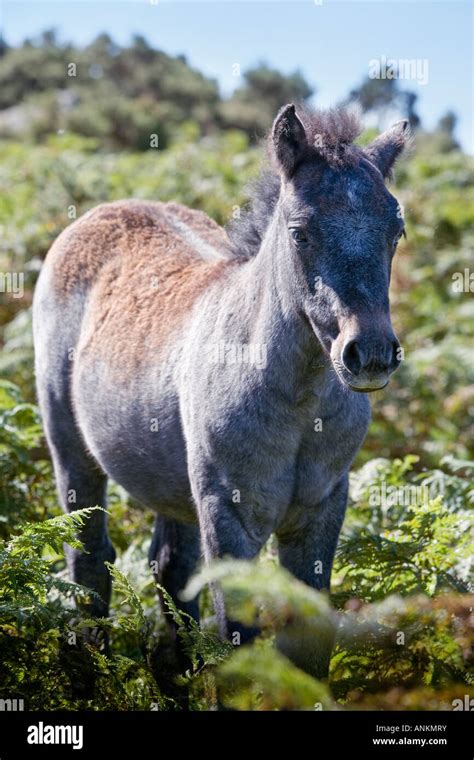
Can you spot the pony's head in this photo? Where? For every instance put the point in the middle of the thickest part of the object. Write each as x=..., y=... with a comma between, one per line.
x=338, y=229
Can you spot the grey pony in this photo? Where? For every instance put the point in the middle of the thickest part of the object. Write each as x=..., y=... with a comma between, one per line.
x=259, y=390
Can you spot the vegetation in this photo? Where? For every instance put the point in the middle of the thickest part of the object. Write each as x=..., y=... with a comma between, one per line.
x=401, y=602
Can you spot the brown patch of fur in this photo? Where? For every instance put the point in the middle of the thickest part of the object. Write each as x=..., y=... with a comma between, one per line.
x=143, y=276
x=118, y=229
x=201, y=224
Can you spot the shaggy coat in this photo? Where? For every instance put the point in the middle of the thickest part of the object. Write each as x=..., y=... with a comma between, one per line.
x=222, y=378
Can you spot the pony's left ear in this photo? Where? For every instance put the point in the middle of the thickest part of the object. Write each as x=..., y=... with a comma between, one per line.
x=289, y=139
x=385, y=149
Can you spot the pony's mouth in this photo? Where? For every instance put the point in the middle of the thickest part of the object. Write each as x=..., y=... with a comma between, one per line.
x=367, y=389
x=361, y=384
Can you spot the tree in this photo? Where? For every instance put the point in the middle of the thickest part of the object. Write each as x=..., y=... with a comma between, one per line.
x=3, y=46
x=253, y=106
x=445, y=128
x=380, y=95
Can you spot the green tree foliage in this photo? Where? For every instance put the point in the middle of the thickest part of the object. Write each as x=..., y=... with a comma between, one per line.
x=118, y=95
x=122, y=95
x=381, y=94
x=253, y=106
x=429, y=408
x=45, y=659
x=26, y=491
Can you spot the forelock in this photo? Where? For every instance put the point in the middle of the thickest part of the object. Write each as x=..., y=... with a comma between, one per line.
x=330, y=134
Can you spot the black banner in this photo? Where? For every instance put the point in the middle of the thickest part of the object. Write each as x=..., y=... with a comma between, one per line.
x=373, y=734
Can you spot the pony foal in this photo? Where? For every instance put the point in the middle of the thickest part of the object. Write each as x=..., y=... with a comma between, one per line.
x=131, y=303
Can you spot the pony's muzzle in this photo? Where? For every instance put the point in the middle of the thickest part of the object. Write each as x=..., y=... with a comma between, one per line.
x=369, y=360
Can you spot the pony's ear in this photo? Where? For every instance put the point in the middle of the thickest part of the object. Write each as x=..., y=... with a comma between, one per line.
x=385, y=149
x=289, y=139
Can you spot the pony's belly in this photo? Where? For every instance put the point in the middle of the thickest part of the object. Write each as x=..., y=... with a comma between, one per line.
x=150, y=477
x=140, y=447
x=153, y=480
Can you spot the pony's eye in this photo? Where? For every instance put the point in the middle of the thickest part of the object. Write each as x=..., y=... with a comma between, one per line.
x=398, y=238
x=298, y=236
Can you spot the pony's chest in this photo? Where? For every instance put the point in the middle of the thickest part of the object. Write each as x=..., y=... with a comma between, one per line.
x=287, y=450
x=328, y=446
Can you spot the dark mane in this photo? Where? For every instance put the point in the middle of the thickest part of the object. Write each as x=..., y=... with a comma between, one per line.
x=330, y=135
x=246, y=233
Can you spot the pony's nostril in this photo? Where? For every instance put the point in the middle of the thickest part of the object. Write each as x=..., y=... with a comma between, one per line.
x=351, y=357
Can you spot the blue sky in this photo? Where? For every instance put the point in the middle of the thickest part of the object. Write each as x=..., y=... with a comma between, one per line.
x=332, y=43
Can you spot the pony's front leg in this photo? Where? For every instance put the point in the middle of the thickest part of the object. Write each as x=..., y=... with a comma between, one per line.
x=306, y=546
x=223, y=534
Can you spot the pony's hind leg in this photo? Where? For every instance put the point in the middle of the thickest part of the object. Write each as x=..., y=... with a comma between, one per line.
x=80, y=483
x=174, y=554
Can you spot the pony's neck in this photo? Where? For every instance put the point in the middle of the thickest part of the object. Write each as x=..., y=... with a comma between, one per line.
x=276, y=317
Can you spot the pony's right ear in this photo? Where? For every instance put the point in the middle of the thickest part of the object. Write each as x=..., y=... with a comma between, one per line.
x=385, y=149
x=289, y=139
